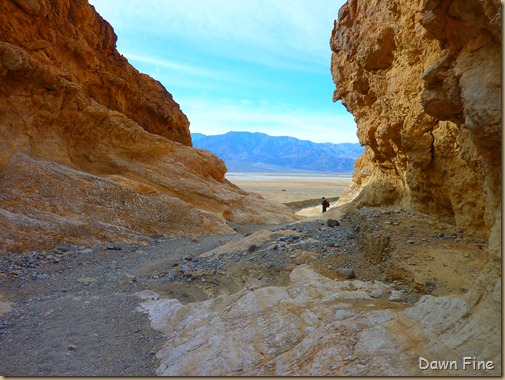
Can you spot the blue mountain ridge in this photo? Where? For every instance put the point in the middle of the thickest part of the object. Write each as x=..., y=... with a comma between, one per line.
x=259, y=152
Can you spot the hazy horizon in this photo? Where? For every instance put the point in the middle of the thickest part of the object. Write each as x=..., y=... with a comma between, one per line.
x=264, y=133
x=281, y=177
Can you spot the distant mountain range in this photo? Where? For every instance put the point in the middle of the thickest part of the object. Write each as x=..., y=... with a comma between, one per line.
x=258, y=152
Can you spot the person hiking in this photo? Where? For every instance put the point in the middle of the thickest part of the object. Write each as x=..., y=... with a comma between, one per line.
x=325, y=204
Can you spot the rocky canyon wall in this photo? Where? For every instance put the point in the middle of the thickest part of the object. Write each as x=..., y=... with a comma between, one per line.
x=423, y=81
x=91, y=150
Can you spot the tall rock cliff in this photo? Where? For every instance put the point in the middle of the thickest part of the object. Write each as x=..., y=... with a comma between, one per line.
x=91, y=150
x=423, y=81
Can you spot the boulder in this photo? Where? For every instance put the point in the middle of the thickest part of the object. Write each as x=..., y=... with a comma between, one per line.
x=332, y=223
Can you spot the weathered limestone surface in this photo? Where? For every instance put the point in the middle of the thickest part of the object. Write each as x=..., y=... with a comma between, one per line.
x=423, y=80
x=315, y=327
x=278, y=331
x=91, y=150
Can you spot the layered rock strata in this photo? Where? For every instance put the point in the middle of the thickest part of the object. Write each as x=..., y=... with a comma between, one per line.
x=318, y=327
x=423, y=81
x=91, y=149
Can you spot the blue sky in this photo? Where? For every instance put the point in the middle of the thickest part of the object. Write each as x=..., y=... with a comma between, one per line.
x=241, y=65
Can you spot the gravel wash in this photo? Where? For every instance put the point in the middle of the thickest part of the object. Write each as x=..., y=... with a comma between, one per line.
x=74, y=310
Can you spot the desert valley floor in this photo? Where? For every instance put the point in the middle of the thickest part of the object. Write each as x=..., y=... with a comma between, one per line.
x=302, y=192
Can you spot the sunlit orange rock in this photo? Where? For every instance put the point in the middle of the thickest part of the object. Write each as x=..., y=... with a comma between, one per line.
x=91, y=150
x=429, y=114
x=423, y=81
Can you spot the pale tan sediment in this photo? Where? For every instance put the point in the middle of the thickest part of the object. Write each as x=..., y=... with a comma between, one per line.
x=285, y=191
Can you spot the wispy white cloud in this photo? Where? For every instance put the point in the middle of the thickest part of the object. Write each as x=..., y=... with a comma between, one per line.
x=177, y=74
x=269, y=58
x=274, y=32
x=175, y=66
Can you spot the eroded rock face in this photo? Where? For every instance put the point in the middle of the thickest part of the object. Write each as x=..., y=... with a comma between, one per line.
x=276, y=331
x=430, y=118
x=316, y=327
x=91, y=150
x=423, y=82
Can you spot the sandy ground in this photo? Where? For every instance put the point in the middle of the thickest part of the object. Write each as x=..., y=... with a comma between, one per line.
x=284, y=188
x=75, y=312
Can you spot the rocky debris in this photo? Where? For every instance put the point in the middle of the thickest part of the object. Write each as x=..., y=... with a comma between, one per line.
x=148, y=295
x=396, y=296
x=84, y=303
x=211, y=269
x=332, y=223
x=5, y=307
x=128, y=278
x=346, y=273
x=86, y=280
x=276, y=252
x=252, y=248
x=377, y=293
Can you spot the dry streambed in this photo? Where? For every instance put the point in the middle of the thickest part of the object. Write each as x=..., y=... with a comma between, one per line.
x=75, y=309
